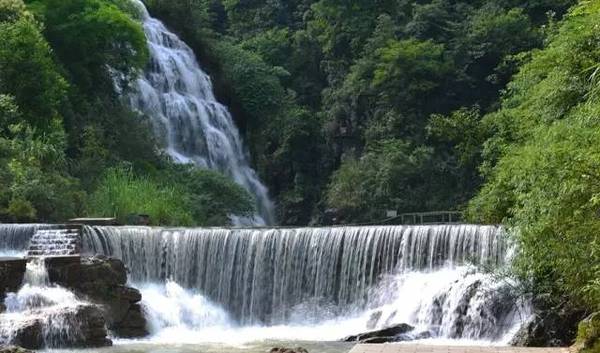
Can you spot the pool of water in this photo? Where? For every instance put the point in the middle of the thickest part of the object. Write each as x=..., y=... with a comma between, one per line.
x=252, y=347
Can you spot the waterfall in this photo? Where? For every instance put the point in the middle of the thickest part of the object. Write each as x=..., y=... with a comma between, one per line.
x=203, y=284
x=416, y=274
x=45, y=315
x=14, y=238
x=178, y=97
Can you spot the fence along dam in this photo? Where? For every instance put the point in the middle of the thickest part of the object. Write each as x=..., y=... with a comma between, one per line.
x=310, y=283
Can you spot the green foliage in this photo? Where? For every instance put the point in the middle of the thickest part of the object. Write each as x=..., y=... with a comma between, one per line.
x=381, y=178
x=588, y=334
x=178, y=196
x=342, y=76
x=255, y=84
x=33, y=165
x=541, y=161
x=451, y=129
x=121, y=194
x=27, y=71
x=91, y=38
x=210, y=197
x=33, y=173
x=12, y=10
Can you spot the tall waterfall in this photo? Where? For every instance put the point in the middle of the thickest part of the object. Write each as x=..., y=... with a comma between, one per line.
x=178, y=97
x=415, y=274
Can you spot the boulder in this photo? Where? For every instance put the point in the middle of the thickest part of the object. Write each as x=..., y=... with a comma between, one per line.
x=14, y=349
x=12, y=271
x=394, y=333
x=86, y=329
x=29, y=335
x=102, y=280
x=588, y=335
x=288, y=350
x=548, y=328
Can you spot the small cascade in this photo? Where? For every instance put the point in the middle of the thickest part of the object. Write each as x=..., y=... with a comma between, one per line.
x=56, y=241
x=14, y=238
x=42, y=315
x=194, y=127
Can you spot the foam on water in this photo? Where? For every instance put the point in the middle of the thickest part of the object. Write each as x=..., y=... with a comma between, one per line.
x=53, y=307
x=456, y=305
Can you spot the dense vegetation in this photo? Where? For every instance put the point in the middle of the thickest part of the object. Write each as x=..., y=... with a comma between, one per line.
x=343, y=103
x=541, y=160
x=68, y=145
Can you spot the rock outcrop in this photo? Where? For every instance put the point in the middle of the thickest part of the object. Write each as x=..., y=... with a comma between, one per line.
x=394, y=333
x=548, y=328
x=102, y=281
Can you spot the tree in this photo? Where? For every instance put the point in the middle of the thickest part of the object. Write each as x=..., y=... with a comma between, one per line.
x=27, y=71
x=93, y=39
x=541, y=161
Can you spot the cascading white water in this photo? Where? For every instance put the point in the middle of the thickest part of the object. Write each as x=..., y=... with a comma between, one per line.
x=263, y=275
x=52, y=311
x=14, y=238
x=316, y=283
x=178, y=97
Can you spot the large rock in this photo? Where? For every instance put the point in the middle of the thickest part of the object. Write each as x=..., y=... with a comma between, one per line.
x=14, y=349
x=588, y=335
x=102, y=280
x=548, y=328
x=29, y=334
x=389, y=334
x=12, y=271
x=79, y=327
x=288, y=350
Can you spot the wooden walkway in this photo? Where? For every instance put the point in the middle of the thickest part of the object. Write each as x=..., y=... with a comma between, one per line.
x=417, y=348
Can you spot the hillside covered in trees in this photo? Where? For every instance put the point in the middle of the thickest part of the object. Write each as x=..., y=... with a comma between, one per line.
x=346, y=107
x=363, y=106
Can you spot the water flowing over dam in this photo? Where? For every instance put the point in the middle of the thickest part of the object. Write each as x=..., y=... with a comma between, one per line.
x=415, y=274
x=193, y=126
x=312, y=283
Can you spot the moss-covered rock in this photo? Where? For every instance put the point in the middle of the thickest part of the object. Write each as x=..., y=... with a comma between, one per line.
x=588, y=335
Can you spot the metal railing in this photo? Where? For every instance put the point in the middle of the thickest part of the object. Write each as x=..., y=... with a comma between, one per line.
x=435, y=217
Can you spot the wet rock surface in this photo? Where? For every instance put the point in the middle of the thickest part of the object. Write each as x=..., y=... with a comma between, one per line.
x=101, y=280
x=14, y=349
x=395, y=333
x=12, y=271
x=288, y=350
x=81, y=327
x=550, y=327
